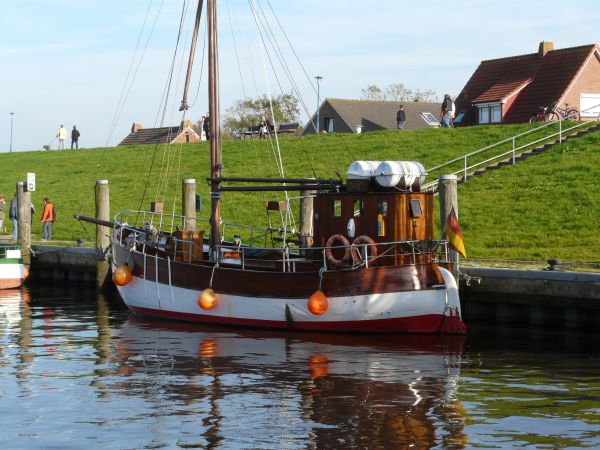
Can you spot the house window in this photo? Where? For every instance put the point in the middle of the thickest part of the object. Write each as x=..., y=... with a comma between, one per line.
x=430, y=119
x=484, y=115
x=589, y=105
x=490, y=113
x=329, y=124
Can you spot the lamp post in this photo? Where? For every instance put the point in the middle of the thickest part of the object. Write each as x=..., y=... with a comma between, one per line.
x=318, y=78
x=12, y=118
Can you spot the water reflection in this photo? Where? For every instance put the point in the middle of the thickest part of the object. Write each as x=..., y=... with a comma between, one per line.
x=376, y=392
x=76, y=369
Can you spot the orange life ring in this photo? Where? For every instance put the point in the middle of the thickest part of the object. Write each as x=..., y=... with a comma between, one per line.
x=332, y=260
x=362, y=240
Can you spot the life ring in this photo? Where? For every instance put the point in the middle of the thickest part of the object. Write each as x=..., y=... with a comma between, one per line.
x=362, y=240
x=337, y=238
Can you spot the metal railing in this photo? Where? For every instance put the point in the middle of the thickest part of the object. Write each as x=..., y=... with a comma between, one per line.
x=591, y=116
x=475, y=160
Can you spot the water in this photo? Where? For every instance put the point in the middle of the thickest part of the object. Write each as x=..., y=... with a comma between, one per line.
x=77, y=370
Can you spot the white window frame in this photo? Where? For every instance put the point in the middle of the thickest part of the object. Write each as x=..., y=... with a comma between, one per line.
x=589, y=104
x=430, y=119
x=489, y=113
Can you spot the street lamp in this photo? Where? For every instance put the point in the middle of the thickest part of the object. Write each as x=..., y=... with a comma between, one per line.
x=318, y=78
x=12, y=118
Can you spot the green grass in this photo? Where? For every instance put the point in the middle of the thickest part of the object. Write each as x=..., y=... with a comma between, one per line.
x=545, y=207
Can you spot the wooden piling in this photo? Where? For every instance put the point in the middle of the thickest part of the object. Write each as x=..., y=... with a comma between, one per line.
x=448, y=190
x=306, y=216
x=102, y=198
x=24, y=220
x=188, y=204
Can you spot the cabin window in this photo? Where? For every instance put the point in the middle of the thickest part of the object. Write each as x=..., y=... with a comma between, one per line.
x=415, y=208
x=382, y=207
x=337, y=208
x=359, y=208
x=329, y=124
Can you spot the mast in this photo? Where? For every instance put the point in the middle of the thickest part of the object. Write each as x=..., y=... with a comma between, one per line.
x=214, y=131
x=184, y=104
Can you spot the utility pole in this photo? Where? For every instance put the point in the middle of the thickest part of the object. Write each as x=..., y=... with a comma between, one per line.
x=12, y=118
x=318, y=78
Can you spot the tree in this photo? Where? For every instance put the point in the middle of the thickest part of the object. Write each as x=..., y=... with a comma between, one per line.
x=372, y=92
x=249, y=112
x=398, y=92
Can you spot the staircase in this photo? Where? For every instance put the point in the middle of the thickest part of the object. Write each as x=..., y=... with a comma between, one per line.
x=495, y=156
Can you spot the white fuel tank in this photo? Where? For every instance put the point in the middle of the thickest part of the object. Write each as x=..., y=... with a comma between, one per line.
x=406, y=175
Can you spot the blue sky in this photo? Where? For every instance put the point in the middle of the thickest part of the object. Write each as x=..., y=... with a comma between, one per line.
x=66, y=61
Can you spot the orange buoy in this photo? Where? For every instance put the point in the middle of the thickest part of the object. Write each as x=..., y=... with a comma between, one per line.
x=122, y=275
x=207, y=299
x=318, y=303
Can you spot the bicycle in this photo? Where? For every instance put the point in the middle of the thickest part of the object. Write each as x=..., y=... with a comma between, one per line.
x=553, y=113
x=557, y=113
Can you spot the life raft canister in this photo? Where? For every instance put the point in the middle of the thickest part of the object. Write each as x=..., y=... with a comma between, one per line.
x=357, y=253
x=333, y=239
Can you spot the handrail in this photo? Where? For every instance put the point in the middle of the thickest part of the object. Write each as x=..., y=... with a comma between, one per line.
x=590, y=108
x=464, y=171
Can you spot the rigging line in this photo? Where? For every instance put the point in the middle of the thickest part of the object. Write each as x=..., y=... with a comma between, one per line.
x=138, y=65
x=288, y=72
x=165, y=99
x=133, y=58
x=204, y=39
x=237, y=56
x=311, y=117
x=163, y=181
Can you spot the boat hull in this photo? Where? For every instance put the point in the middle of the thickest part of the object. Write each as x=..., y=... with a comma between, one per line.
x=375, y=300
x=12, y=274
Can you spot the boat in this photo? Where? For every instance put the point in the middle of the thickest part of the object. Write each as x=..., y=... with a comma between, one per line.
x=365, y=260
x=12, y=270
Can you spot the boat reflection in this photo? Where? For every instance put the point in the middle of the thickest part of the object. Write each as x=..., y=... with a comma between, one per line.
x=352, y=391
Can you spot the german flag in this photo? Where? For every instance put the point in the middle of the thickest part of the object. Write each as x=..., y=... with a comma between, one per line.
x=452, y=230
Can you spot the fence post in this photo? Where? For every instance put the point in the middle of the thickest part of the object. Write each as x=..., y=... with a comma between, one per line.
x=560, y=131
x=448, y=194
x=188, y=201
x=24, y=220
x=465, y=177
x=513, y=150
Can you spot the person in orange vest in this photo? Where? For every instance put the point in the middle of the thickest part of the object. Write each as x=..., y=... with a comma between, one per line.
x=47, y=219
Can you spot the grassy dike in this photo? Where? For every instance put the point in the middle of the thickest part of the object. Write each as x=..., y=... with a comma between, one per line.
x=545, y=207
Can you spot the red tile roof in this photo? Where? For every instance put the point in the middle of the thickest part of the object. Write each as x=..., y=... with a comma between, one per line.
x=496, y=79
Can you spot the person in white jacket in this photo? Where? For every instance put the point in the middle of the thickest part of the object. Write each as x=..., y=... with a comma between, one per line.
x=61, y=134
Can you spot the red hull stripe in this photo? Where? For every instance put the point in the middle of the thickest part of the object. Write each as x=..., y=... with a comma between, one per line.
x=431, y=323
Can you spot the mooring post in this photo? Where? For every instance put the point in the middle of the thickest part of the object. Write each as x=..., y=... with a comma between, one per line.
x=306, y=216
x=102, y=233
x=24, y=220
x=188, y=204
x=448, y=190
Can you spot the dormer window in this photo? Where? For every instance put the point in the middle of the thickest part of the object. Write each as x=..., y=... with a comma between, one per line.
x=489, y=113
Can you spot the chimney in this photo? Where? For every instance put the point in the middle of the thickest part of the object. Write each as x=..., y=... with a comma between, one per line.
x=135, y=127
x=545, y=47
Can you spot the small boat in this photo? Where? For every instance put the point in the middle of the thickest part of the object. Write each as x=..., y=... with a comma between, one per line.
x=12, y=270
x=366, y=261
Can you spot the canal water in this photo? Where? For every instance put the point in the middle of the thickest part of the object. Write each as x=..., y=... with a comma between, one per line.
x=77, y=370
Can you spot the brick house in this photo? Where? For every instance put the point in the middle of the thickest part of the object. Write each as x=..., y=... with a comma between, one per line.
x=509, y=90
x=163, y=135
x=360, y=116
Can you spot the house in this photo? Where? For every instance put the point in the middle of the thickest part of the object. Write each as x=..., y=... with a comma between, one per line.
x=359, y=116
x=509, y=90
x=163, y=135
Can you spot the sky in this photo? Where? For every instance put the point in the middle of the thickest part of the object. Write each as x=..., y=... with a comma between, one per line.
x=103, y=64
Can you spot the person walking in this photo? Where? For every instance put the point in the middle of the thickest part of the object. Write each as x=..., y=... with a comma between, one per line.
x=447, y=112
x=206, y=126
x=47, y=219
x=400, y=118
x=13, y=215
x=263, y=129
x=75, y=137
x=61, y=134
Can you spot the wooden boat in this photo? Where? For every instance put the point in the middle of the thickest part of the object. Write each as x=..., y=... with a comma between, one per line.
x=12, y=270
x=369, y=263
